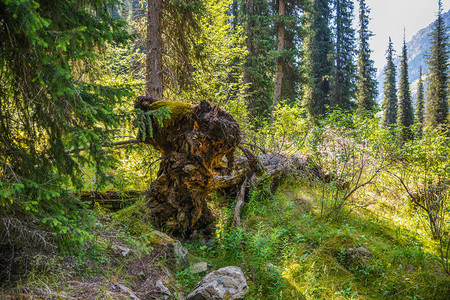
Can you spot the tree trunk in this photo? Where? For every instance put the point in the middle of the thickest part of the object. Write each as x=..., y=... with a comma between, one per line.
x=250, y=11
x=280, y=48
x=154, y=73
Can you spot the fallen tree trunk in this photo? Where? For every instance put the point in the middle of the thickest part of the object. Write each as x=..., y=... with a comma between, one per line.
x=197, y=146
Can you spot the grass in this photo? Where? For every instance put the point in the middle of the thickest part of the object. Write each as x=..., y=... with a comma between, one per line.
x=285, y=248
x=288, y=251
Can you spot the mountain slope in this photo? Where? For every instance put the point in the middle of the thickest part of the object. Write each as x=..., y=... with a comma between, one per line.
x=418, y=49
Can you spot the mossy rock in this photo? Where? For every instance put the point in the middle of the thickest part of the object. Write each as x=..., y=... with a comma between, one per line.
x=178, y=111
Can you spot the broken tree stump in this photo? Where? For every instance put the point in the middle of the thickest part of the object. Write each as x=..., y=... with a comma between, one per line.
x=192, y=144
x=197, y=145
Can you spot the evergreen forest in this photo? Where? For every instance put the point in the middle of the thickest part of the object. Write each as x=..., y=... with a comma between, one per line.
x=219, y=149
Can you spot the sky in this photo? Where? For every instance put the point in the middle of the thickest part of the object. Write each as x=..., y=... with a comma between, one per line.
x=389, y=17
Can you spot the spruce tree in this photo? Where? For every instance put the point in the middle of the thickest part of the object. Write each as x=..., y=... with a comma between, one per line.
x=389, y=104
x=405, y=116
x=154, y=61
x=366, y=83
x=343, y=88
x=258, y=68
x=292, y=75
x=287, y=72
x=49, y=105
x=318, y=49
x=436, y=102
x=419, y=115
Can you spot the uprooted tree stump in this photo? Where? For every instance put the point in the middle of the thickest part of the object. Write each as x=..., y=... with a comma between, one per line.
x=197, y=145
x=192, y=144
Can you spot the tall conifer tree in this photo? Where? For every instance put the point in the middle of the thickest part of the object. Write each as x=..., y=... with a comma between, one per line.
x=390, y=90
x=287, y=72
x=436, y=102
x=405, y=116
x=419, y=116
x=366, y=83
x=258, y=68
x=292, y=75
x=318, y=51
x=154, y=65
x=343, y=89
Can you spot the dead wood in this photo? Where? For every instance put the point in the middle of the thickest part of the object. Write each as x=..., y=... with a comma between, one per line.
x=192, y=143
x=239, y=203
x=197, y=145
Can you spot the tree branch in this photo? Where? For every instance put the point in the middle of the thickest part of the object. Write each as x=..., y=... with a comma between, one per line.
x=119, y=143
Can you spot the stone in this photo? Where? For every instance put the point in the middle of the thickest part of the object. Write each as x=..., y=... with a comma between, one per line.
x=141, y=275
x=180, y=253
x=225, y=283
x=199, y=268
x=162, y=289
x=360, y=254
x=160, y=238
x=123, y=251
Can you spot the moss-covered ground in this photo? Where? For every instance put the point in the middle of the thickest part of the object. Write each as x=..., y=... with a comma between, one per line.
x=288, y=251
x=284, y=246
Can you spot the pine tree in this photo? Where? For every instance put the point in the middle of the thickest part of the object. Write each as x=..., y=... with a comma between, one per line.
x=318, y=49
x=287, y=73
x=280, y=48
x=366, y=83
x=49, y=104
x=419, y=115
x=436, y=102
x=154, y=65
x=258, y=68
x=390, y=90
x=292, y=75
x=343, y=89
x=405, y=116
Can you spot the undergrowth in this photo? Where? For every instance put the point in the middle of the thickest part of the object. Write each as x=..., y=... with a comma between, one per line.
x=287, y=251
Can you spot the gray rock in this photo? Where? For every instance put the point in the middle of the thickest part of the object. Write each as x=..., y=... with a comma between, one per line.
x=199, y=268
x=141, y=275
x=123, y=251
x=180, y=253
x=359, y=254
x=162, y=289
x=225, y=283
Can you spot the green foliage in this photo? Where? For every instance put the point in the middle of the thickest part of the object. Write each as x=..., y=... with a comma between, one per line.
x=366, y=83
x=420, y=106
x=423, y=174
x=318, y=48
x=351, y=151
x=59, y=113
x=405, y=116
x=259, y=66
x=343, y=85
x=437, y=95
x=286, y=133
x=389, y=105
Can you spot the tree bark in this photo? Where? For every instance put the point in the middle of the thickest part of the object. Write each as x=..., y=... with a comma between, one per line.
x=192, y=144
x=197, y=145
x=280, y=48
x=154, y=72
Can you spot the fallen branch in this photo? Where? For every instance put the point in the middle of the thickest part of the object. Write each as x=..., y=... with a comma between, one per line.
x=240, y=203
x=120, y=143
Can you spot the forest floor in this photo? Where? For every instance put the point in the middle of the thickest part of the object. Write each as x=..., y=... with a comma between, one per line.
x=285, y=246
